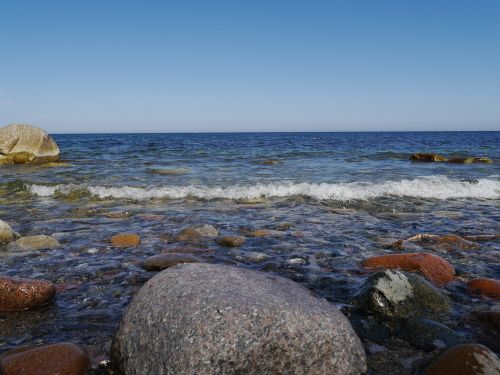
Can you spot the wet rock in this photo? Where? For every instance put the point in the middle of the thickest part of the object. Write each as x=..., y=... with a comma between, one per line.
x=64, y=359
x=178, y=171
x=18, y=294
x=489, y=322
x=485, y=287
x=466, y=359
x=398, y=294
x=36, y=243
x=215, y=319
x=433, y=267
x=231, y=241
x=188, y=235
x=483, y=237
x=270, y=162
x=187, y=250
x=6, y=233
x=26, y=144
x=470, y=160
x=116, y=215
x=167, y=260
x=427, y=157
x=265, y=233
x=207, y=230
x=125, y=240
x=251, y=256
x=149, y=217
x=427, y=334
x=491, y=318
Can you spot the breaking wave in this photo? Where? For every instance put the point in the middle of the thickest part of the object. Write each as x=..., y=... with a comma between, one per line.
x=435, y=187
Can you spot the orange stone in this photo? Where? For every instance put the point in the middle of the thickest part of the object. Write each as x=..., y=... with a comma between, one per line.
x=23, y=294
x=433, y=267
x=485, y=287
x=467, y=359
x=60, y=359
x=125, y=240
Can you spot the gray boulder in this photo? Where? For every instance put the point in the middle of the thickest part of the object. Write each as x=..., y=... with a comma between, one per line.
x=216, y=319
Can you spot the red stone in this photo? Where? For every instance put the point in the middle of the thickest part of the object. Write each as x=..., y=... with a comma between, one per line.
x=433, y=267
x=23, y=294
x=60, y=359
x=485, y=287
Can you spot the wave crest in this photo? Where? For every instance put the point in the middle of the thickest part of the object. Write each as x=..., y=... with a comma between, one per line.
x=436, y=187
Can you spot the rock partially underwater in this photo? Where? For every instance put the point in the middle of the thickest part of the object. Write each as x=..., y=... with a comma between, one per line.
x=20, y=144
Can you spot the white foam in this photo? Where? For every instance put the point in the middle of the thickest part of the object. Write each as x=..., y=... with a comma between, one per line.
x=435, y=187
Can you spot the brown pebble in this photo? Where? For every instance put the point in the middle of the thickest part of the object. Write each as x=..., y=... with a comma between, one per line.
x=231, y=241
x=55, y=359
x=18, y=294
x=485, y=287
x=167, y=260
x=125, y=240
x=467, y=359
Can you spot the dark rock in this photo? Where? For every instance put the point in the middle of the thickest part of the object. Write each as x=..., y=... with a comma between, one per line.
x=427, y=157
x=427, y=334
x=215, y=319
x=399, y=294
x=167, y=260
x=467, y=359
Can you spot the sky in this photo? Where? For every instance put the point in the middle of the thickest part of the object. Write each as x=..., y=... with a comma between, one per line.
x=255, y=65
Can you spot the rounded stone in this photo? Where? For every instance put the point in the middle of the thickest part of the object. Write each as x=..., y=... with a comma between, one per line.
x=18, y=294
x=6, y=233
x=216, y=319
x=485, y=287
x=36, y=242
x=125, y=240
x=231, y=241
x=434, y=268
x=398, y=294
x=26, y=144
x=167, y=260
x=466, y=359
x=64, y=359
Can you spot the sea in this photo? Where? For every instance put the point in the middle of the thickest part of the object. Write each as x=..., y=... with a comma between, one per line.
x=328, y=200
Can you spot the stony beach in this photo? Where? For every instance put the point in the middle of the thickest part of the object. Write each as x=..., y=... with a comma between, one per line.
x=249, y=254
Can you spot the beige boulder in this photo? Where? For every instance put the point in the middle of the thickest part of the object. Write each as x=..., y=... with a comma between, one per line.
x=6, y=233
x=21, y=144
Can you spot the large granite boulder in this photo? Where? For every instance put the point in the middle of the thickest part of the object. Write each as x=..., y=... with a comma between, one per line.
x=216, y=319
x=26, y=144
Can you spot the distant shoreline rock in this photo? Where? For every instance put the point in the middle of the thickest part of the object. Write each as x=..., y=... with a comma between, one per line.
x=432, y=157
x=20, y=144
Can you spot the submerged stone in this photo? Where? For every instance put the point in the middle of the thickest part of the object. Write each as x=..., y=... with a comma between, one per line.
x=125, y=240
x=60, y=359
x=167, y=260
x=485, y=287
x=18, y=294
x=7, y=234
x=37, y=242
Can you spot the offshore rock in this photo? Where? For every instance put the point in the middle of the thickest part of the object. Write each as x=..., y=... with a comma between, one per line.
x=216, y=319
x=427, y=157
x=397, y=294
x=21, y=144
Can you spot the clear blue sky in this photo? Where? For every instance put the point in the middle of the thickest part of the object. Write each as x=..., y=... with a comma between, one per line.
x=125, y=66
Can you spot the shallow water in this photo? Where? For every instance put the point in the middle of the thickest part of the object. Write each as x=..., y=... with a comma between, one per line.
x=335, y=199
